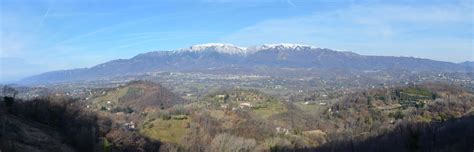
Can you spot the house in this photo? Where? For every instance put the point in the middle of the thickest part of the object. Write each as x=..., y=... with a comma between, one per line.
x=245, y=104
x=224, y=106
x=281, y=130
x=130, y=126
x=220, y=96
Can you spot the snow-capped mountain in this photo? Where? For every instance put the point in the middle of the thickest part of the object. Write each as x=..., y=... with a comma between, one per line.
x=217, y=47
x=238, y=50
x=227, y=57
x=285, y=46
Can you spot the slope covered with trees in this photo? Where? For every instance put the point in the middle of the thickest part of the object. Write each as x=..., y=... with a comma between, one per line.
x=428, y=117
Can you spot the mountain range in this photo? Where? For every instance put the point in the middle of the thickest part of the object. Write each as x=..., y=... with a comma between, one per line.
x=228, y=57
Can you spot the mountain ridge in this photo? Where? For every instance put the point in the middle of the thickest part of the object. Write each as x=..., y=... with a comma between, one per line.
x=204, y=57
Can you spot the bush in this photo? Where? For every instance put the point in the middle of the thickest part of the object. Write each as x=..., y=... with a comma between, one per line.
x=122, y=109
x=277, y=143
x=230, y=143
x=178, y=110
x=164, y=115
x=8, y=101
x=107, y=145
x=397, y=115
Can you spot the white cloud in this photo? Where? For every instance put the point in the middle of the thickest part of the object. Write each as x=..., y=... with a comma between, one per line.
x=369, y=26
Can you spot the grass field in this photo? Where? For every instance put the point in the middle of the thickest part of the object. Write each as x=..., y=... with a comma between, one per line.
x=418, y=91
x=112, y=96
x=314, y=109
x=171, y=131
x=267, y=109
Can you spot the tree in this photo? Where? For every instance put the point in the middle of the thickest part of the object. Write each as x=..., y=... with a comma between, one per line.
x=230, y=143
x=9, y=95
x=9, y=91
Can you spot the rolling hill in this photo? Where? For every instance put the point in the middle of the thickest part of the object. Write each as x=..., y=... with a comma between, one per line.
x=136, y=95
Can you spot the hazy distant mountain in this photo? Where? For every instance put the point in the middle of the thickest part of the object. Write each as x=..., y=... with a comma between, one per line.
x=12, y=69
x=224, y=57
x=468, y=63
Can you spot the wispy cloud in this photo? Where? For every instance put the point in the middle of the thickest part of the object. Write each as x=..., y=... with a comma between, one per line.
x=77, y=33
x=80, y=14
x=290, y=3
x=43, y=18
x=387, y=29
x=137, y=39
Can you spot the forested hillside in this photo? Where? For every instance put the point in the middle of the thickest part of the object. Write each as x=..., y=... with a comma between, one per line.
x=428, y=117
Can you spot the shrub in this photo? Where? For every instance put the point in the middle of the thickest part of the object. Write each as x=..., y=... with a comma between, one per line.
x=178, y=110
x=277, y=143
x=8, y=101
x=164, y=115
x=107, y=145
x=397, y=115
x=230, y=143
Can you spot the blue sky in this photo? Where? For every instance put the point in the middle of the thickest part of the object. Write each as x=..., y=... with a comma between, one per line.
x=39, y=36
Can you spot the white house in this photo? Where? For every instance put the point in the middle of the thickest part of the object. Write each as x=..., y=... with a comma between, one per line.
x=245, y=104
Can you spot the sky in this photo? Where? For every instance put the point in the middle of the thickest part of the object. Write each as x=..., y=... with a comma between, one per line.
x=44, y=35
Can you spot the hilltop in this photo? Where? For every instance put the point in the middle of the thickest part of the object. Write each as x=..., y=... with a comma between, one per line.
x=135, y=95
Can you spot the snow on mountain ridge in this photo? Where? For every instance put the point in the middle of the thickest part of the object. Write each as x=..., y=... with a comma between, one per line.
x=238, y=50
x=218, y=47
x=285, y=46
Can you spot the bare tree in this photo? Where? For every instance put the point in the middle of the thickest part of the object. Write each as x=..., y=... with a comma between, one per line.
x=230, y=143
